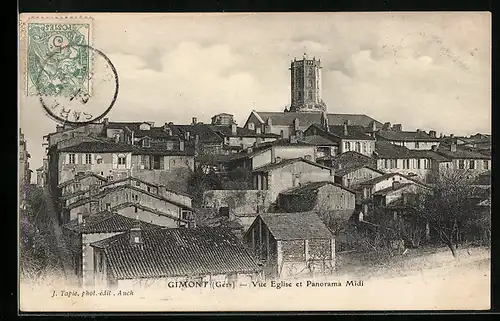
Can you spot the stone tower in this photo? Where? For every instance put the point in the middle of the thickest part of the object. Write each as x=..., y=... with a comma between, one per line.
x=306, y=85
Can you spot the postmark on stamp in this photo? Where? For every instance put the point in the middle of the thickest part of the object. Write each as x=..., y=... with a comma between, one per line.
x=63, y=71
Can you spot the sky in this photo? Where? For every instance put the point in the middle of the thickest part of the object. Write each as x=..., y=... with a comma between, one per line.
x=430, y=71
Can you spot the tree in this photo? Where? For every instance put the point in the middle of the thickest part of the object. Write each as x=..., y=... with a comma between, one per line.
x=450, y=207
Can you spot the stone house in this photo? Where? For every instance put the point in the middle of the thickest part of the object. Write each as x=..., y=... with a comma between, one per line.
x=80, y=232
x=346, y=160
x=463, y=159
x=348, y=137
x=351, y=176
x=386, y=196
x=162, y=257
x=330, y=200
x=325, y=148
x=288, y=173
x=24, y=165
x=167, y=212
x=368, y=189
x=413, y=140
x=287, y=124
x=292, y=244
x=423, y=165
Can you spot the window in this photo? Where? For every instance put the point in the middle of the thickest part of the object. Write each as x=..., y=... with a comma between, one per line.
x=309, y=83
x=418, y=163
x=136, y=239
x=472, y=164
x=426, y=163
x=461, y=164
x=406, y=164
x=122, y=160
x=149, y=189
x=88, y=158
x=135, y=209
x=358, y=147
x=347, y=146
x=99, y=161
x=137, y=183
x=72, y=158
x=224, y=211
x=417, y=145
x=78, y=186
x=156, y=162
x=386, y=163
x=146, y=142
x=170, y=145
x=365, y=150
x=486, y=164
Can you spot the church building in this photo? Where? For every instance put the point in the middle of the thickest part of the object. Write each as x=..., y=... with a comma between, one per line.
x=307, y=106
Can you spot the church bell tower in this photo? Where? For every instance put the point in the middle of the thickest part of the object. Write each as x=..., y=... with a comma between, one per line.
x=306, y=85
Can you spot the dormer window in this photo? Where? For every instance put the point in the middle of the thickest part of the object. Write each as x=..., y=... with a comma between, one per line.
x=251, y=126
x=145, y=126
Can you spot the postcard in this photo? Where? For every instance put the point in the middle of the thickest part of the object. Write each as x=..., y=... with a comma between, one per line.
x=208, y=162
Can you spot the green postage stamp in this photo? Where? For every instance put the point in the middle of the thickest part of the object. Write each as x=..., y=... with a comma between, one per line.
x=58, y=56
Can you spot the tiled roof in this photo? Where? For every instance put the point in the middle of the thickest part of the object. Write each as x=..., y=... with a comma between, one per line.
x=108, y=190
x=392, y=188
x=164, y=150
x=353, y=159
x=204, y=132
x=317, y=140
x=155, y=132
x=98, y=147
x=405, y=136
x=353, y=132
x=312, y=187
x=344, y=171
x=296, y=226
x=379, y=179
x=177, y=252
x=307, y=119
x=80, y=177
x=147, y=209
x=226, y=131
x=460, y=153
x=285, y=162
x=133, y=126
x=388, y=150
x=106, y=222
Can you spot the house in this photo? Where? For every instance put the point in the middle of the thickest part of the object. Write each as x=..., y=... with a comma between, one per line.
x=166, y=212
x=423, y=165
x=330, y=200
x=325, y=148
x=384, y=183
x=292, y=244
x=80, y=232
x=464, y=159
x=268, y=153
x=238, y=138
x=351, y=176
x=348, y=137
x=386, y=196
x=171, y=257
x=40, y=177
x=288, y=173
x=288, y=124
x=413, y=140
x=346, y=160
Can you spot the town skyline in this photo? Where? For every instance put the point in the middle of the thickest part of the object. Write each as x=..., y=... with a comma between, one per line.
x=441, y=77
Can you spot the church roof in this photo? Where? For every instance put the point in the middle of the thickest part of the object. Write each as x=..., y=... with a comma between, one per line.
x=307, y=119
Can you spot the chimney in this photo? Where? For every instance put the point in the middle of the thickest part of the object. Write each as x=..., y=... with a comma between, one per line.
x=234, y=129
x=386, y=126
x=282, y=135
x=181, y=145
x=187, y=135
x=397, y=127
x=373, y=126
x=196, y=138
x=108, y=207
x=249, y=150
x=396, y=184
x=324, y=121
x=105, y=121
x=432, y=133
x=452, y=136
x=277, y=159
x=434, y=148
x=135, y=236
x=80, y=218
x=418, y=130
x=194, y=121
x=453, y=147
x=346, y=132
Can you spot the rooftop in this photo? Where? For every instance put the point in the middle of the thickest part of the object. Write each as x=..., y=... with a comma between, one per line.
x=226, y=131
x=385, y=149
x=460, y=153
x=177, y=252
x=286, y=162
x=382, y=178
x=296, y=226
x=312, y=187
x=405, y=136
x=80, y=177
x=307, y=119
x=106, y=222
x=318, y=140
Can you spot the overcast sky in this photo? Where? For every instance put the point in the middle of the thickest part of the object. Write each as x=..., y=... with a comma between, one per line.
x=424, y=70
